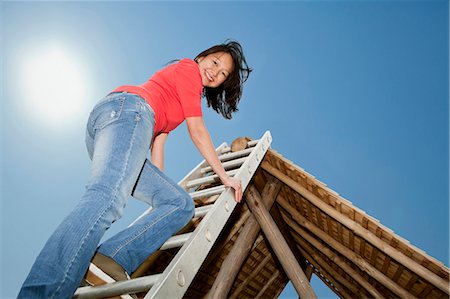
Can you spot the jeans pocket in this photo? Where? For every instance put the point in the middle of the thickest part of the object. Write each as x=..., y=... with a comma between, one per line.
x=108, y=112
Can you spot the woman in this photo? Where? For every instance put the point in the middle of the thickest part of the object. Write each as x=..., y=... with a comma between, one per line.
x=121, y=129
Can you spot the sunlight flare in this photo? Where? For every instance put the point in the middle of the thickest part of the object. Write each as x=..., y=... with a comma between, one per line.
x=54, y=85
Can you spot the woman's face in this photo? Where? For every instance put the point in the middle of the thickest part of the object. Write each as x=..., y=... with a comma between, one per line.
x=215, y=68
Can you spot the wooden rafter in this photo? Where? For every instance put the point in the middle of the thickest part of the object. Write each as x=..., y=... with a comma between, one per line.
x=279, y=245
x=242, y=246
x=285, y=230
x=322, y=266
x=337, y=288
x=360, y=281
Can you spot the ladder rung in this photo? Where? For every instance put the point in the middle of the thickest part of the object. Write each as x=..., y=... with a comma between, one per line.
x=202, y=211
x=179, y=240
x=207, y=192
x=227, y=165
x=175, y=241
x=208, y=180
x=233, y=155
x=131, y=286
x=199, y=212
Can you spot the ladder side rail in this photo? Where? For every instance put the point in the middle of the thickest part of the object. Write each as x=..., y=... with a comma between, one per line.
x=181, y=271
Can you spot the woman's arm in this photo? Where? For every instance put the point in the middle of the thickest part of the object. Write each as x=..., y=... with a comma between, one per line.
x=158, y=151
x=200, y=136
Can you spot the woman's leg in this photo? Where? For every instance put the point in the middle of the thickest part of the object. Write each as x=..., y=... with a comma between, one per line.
x=172, y=210
x=119, y=134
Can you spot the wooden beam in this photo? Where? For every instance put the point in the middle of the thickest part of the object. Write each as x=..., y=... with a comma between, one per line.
x=358, y=230
x=285, y=230
x=355, y=258
x=322, y=266
x=308, y=251
x=242, y=246
x=309, y=272
x=279, y=245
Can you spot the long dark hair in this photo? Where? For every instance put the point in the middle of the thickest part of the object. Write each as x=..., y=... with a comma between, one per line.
x=225, y=98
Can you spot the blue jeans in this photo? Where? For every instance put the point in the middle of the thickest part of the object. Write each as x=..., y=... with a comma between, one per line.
x=118, y=136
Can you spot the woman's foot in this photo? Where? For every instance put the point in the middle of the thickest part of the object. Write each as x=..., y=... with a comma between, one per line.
x=103, y=270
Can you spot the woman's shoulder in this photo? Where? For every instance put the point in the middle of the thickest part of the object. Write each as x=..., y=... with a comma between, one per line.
x=187, y=63
x=188, y=73
x=187, y=67
x=184, y=66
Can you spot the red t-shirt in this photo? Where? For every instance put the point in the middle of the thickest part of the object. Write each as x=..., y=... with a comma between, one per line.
x=174, y=93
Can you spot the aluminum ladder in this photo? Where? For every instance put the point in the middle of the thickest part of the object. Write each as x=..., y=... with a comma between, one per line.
x=195, y=246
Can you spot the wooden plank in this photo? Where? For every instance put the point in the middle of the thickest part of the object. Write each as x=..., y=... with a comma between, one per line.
x=365, y=222
x=363, y=248
x=242, y=246
x=322, y=266
x=373, y=256
x=340, y=235
x=279, y=245
x=329, y=226
x=310, y=213
x=355, y=227
x=319, y=218
x=243, y=284
x=386, y=263
x=411, y=282
x=398, y=273
x=267, y=284
x=426, y=291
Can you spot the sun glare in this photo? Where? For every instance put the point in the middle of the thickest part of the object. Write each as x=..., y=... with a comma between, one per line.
x=54, y=85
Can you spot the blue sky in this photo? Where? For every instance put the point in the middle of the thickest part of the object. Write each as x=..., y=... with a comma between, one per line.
x=356, y=93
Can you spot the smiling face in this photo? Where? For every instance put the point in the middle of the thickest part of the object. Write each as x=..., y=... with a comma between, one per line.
x=215, y=68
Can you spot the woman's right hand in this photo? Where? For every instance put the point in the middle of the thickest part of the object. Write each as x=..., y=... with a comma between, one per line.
x=200, y=136
x=236, y=184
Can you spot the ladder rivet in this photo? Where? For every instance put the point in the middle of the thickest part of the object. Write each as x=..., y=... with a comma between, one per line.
x=180, y=278
x=208, y=235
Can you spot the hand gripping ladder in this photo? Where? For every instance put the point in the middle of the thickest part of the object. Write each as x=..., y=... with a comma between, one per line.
x=195, y=246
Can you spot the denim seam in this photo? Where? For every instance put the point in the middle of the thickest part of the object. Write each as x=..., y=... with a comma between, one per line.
x=81, y=245
x=115, y=118
x=115, y=191
x=143, y=230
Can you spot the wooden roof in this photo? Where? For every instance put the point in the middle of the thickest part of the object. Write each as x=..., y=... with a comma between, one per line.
x=350, y=251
